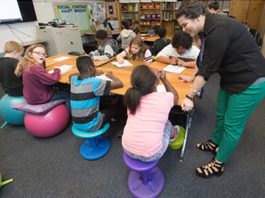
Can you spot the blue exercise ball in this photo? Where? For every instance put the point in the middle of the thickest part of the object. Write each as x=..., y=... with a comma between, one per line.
x=10, y=115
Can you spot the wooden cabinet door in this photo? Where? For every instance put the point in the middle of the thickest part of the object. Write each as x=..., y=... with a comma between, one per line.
x=254, y=13
x=248, y=11
x=239, y=9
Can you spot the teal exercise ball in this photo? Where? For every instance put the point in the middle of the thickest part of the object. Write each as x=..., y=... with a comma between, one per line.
x=10, y=115
x=178, y=142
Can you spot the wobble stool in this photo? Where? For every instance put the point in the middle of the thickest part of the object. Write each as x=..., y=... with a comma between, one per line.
x=145, y=180
x=178, y=142
x=95, y=146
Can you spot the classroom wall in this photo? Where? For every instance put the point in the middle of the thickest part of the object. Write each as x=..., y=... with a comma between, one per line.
x=20, y=32
x=26, y=32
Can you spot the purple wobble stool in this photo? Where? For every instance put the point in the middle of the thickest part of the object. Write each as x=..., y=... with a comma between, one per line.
x=146, y=180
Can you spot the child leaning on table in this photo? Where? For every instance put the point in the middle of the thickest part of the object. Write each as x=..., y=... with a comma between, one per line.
x=104, y=51
x=12, y=85
x=86, y=90
x=148, y=131
x=37, y=82
x=137, y=50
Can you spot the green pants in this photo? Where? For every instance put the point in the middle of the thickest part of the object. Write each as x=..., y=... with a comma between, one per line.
x=232, y=114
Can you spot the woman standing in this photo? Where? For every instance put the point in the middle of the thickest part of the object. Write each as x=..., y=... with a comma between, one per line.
x=228, y=49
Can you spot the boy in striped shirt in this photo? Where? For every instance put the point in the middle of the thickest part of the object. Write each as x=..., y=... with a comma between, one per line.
x=86, y=90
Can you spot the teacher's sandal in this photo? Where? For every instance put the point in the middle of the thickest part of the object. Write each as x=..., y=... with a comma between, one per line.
x=213, y=168
x=208, y=146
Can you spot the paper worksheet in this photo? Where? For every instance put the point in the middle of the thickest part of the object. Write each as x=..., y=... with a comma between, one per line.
x=124, y=64
x=61, y=58
x=104, y=77
x=161, y=88
x=63, y=68
x=174, y=69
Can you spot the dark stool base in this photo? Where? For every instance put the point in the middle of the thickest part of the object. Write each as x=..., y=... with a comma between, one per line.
x=94, y=148
x=152, y=189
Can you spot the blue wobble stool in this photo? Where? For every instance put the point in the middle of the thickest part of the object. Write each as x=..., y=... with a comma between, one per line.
x=95, y=146
x=146, y=180
x=10, y=115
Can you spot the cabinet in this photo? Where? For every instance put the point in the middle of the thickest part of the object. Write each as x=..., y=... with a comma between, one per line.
x=247, y=11
x=61, y=40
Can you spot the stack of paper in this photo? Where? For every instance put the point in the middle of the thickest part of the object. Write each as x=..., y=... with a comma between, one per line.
x=124, y=64
x=61, y=58
x=104, y=77
x=174, y=69
x=63, y=68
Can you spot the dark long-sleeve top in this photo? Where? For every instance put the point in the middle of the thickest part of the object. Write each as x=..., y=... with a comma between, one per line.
x=231, y=51
x=11, y=84
x=37, y=84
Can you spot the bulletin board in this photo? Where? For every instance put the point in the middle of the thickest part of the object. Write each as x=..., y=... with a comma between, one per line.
x=87, y=15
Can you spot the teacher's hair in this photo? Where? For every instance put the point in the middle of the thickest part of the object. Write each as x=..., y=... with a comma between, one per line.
x=191, y=10
x=143, y=82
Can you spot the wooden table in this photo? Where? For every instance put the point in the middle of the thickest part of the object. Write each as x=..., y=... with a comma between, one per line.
x=54, y=61
x=152, y=38
x=124, y=75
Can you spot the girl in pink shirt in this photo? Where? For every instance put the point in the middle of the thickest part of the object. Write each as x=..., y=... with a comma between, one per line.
x=137, y=50
x=148, y=131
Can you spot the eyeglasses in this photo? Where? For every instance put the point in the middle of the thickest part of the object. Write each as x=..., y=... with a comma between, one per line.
x=40, y=53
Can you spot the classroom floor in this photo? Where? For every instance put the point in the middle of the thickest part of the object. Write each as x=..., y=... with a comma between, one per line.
x=53, y=168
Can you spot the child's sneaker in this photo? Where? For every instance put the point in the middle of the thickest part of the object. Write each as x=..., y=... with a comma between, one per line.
x=175, y=134
x=178, y=142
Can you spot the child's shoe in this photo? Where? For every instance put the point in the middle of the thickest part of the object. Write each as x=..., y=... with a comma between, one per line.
x=178, y=142
x=175, y=134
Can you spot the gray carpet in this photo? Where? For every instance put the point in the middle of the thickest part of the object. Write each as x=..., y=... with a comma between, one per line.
x=53, y=168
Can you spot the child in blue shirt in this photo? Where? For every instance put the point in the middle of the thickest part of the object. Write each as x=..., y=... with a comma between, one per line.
x=86, y=90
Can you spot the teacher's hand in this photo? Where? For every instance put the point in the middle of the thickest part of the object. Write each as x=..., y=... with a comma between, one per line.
x=187, y=104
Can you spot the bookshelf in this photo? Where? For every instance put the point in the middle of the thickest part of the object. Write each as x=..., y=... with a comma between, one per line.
x=149, y=15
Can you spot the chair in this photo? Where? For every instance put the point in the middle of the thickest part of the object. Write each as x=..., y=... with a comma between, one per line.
x=10, y=115
x=95, y=146
x=2, y=183
x=44, y=120
x=48, y=124
x=145, y=178
x=114, y=44
x=74, y=53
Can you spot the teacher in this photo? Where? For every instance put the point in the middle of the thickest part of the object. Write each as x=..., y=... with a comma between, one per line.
x=228, y=49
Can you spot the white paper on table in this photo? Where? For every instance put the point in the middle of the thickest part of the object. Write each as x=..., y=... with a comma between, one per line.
x=124, y=64
x=104, y=77
x=63, y=68
x=174, y=69
x=61, y=58
x=161, y=88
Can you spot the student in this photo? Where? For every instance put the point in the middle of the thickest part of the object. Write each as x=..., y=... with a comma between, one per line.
x=160, y=43
x=213, y=7
x=104, y=51
x=148, y=131
x=12, y=85
x=37, y=82
x=86, y=90
x=137, y=50
x=126, y=35
x=238, y=60
x=180, y=47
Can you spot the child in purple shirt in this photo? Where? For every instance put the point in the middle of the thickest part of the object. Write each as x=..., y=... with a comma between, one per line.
x=37, y=82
